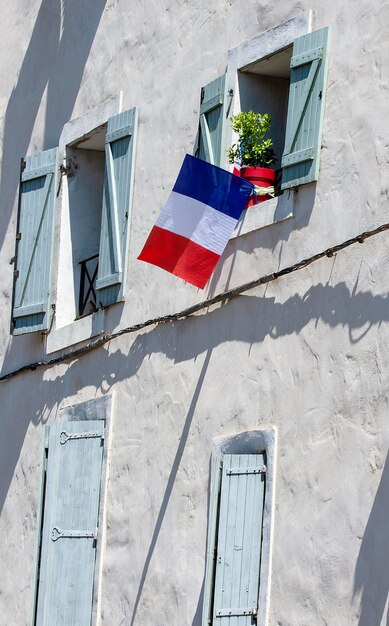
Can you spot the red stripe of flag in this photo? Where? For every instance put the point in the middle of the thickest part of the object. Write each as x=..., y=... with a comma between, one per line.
x=180, y=256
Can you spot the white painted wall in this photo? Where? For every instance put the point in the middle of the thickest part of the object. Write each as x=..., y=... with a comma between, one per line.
x=307, y=354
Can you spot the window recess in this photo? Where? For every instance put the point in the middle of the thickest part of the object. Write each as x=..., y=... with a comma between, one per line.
x=99, y=168
x=85, y=164
x=263, y=88
x=239, y=538
x=289, y=83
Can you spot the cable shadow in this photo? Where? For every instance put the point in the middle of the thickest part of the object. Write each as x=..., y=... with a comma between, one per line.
x=170, y=483
x=371, y=577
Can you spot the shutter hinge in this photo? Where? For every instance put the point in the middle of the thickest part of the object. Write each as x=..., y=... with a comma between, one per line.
x=202, y=95
x=22, y=165
x=237, y=612
x=245, y=470
x=12, y=261
x=64, y=436
x=18, y=236
x=57, y=533
x=16, y=274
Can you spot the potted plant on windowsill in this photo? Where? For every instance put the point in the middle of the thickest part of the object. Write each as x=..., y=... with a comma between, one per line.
x=254, y=153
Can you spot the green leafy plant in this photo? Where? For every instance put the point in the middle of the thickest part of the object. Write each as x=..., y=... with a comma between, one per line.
x=251, y=148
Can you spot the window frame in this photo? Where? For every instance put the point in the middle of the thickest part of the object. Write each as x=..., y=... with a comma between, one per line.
x=248, y=442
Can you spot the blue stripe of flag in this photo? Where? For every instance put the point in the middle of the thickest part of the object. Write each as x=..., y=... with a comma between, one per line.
x=213, y=186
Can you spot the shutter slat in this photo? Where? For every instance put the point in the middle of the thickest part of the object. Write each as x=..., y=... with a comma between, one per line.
x=239, y=540
x=300, y=161
x=213, y=109
x=120, y=144
x=72, y=503
x=34, y=249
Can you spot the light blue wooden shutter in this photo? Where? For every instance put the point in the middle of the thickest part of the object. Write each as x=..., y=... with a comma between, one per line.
x=300, y=161
x=120, y=143
x=239, y=540
x=70, y=523
x=213, y=108
x=35, y=242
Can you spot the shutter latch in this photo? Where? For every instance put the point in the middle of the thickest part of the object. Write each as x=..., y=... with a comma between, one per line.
x=57, y=533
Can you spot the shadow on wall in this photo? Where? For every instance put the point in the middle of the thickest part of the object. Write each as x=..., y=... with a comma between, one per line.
x=372, y=569
x=247, y=319
x=168, y=493
x=55, y=60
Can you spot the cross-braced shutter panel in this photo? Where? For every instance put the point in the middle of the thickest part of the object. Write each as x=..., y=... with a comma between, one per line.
x=35, y=242
x=239, y=540
x=212, y=121
x=300, y=161
x=70, y=526
x=117, y=197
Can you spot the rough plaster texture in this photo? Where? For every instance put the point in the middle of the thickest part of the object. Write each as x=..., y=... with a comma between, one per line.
x=308, y=354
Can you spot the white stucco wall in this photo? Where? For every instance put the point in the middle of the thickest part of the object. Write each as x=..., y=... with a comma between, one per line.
x=307, y=354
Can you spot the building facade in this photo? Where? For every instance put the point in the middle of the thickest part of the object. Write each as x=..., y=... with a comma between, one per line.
x=173, y=455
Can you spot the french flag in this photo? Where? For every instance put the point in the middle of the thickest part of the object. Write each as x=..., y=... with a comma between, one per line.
x=197, y=221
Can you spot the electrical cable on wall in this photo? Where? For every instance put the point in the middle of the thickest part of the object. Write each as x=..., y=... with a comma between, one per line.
x=204, y=304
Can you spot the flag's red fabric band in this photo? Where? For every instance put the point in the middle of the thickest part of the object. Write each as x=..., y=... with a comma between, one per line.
x=180, y=256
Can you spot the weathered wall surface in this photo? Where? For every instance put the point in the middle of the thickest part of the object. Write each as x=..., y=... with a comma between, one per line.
x=308, y=354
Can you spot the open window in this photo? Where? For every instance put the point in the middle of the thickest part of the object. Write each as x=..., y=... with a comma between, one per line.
x=99, y=168
x=96, y=183
x=280, y=74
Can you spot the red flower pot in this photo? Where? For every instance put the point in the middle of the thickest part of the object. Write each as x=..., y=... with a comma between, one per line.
x=261, y=177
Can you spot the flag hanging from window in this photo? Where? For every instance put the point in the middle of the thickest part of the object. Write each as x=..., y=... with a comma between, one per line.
x=197, y=221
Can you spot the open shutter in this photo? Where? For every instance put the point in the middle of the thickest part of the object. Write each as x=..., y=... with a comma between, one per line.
x=35, y=242
x=117, y=197
x=70, y=523
x=212, y=121
x=239, y=540
x=300, y=161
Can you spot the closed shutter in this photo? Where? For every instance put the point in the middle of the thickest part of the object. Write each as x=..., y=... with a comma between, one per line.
x=70, y=523
x=239, y=540
x=117, y=197
x=300, y=161
x=31, y=301
x=213, y=106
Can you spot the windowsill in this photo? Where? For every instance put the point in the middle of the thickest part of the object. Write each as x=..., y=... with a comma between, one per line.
x=269, y=212
x=80, y=330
